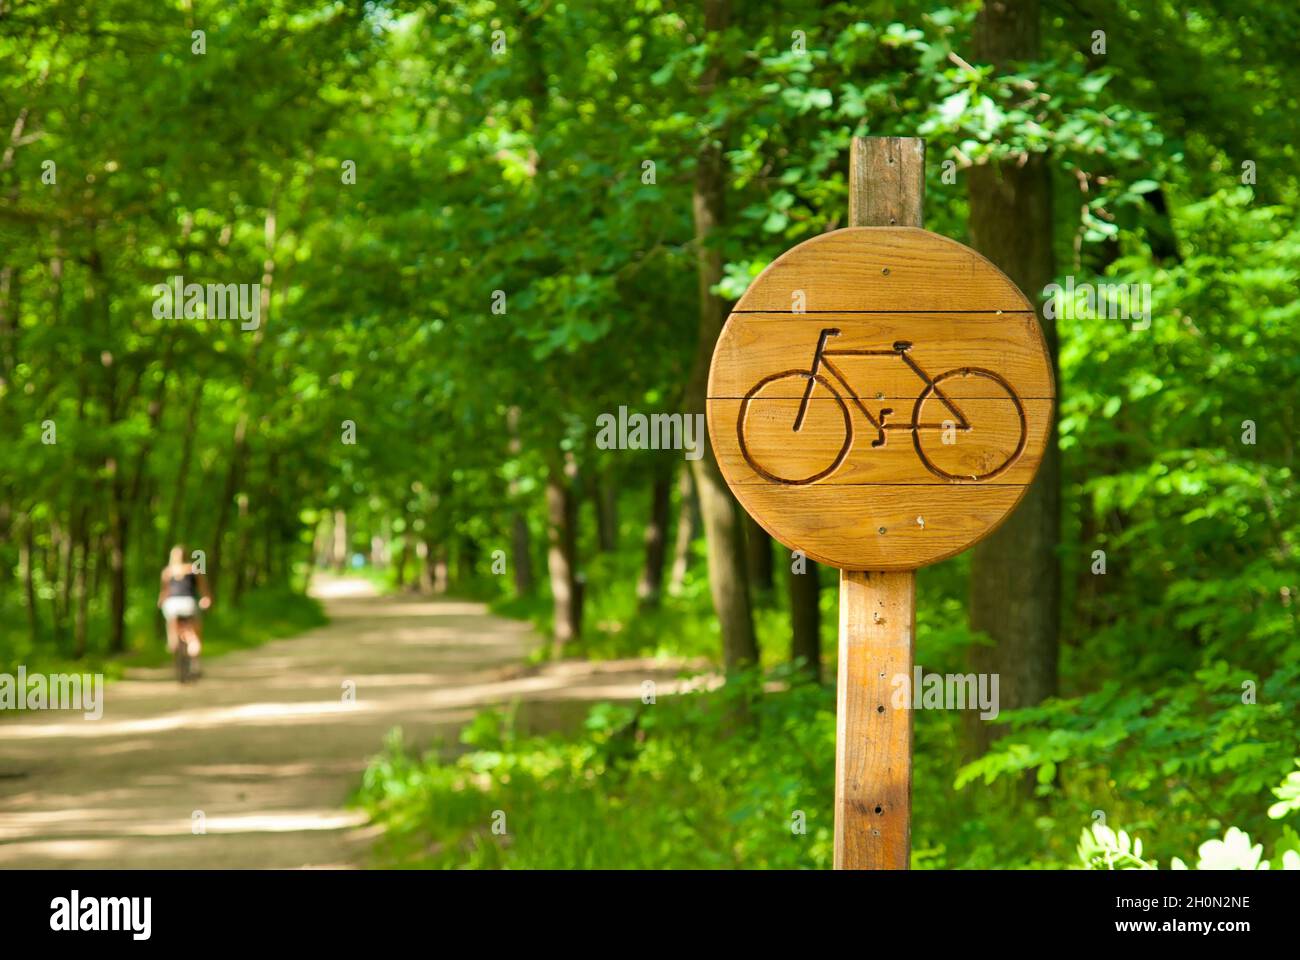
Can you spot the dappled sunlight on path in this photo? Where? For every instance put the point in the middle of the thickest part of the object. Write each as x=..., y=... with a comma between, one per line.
x=263, y=752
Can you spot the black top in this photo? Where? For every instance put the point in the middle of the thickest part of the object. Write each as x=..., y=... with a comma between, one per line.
x=186, y=586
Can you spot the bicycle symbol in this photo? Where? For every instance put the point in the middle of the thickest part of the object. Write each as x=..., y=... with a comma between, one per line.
x=932, y=389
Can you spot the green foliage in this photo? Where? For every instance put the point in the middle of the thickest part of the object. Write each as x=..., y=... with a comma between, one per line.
x=523, y=173
x=618, y=624
x=1101, y=848
x=264, y=614
x=680, y=783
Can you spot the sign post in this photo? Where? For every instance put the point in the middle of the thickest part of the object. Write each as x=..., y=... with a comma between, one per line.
x=879, y=399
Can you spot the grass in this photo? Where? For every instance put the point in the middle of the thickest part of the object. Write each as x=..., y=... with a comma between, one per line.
x=678, y=783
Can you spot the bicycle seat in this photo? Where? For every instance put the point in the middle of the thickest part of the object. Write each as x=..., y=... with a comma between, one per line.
x=902, y=346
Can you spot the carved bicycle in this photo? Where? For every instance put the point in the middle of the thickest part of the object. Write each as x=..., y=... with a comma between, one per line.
x=923, y=434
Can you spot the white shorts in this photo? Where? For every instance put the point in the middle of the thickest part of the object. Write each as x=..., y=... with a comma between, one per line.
x=180, y=608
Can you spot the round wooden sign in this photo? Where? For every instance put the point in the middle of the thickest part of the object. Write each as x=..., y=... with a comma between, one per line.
x=880, y=398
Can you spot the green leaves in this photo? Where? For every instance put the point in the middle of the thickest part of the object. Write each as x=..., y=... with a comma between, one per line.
x=1101, y=848
x=802, y=100
x=673, y=785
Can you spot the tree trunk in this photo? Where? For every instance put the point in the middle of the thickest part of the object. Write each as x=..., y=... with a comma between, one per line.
x=75, y=527
x=340, y=550
x=723, y=518
x=320, y=546
x=521, y=548
x=688, y=528
x=269, y=557
x=9, y=280
x=80, y=595
x=806, y=619
x=441, y=579
x=183, y=473
x=650, y=588
x=239, y=446
x=243, y=563
x=758, y=551
x=604, y=496
x=425, y=557
x=60, y=558
x=117, y=540
x=27, y=560
x=561, y=557
x=467, y=558
x=6, y=533
x=521, y=540
x=728, y=582
x=101, y=564
x=403, y=558
x=1015, y=576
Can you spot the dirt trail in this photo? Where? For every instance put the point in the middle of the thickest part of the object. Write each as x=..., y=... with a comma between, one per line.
x=264, y=749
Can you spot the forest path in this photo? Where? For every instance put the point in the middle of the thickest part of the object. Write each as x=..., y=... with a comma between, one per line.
x=264, y=749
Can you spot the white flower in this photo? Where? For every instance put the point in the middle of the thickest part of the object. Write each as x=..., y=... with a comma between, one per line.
x=1233, y=852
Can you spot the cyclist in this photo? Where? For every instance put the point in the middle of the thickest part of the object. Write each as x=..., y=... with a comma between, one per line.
x=182, y=594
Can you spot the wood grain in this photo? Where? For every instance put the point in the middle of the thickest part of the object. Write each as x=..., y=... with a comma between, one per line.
x=873, y=736
x=873, y=750
x=994, y=434
x=881, y=269
x=755, y=345
x=840, y=525
x=906, y=316
x=883, y=184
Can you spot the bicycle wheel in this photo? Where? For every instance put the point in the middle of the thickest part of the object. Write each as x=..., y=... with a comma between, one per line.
x=995, y=433
x=769, y=442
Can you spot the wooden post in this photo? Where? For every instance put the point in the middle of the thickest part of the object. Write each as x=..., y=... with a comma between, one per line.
x=873, y=740
x=824, y=480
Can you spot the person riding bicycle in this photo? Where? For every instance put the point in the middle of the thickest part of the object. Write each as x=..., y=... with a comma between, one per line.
x=183, y=593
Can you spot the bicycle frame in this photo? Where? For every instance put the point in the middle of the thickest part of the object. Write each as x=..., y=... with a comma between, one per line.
x=899, y=349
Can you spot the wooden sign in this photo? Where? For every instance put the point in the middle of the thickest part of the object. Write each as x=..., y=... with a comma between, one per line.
x=880, y=398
